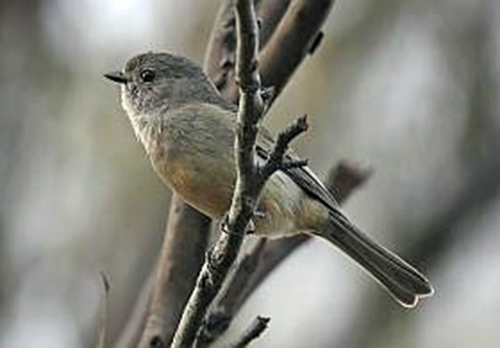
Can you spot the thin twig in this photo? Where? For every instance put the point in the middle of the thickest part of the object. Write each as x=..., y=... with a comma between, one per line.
x=266, y=255
x=103, y=315
x=226, y=249
x=256, y=328
x=276, y=158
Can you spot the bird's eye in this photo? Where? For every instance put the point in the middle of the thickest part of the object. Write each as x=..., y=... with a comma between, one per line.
x=148, y=75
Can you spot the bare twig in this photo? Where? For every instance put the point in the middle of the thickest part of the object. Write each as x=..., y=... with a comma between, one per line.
x=266, y=255
x=221, y=257
x=256, y=328
x=276, y=161
x=103, y=315
x=342, y=180
x=312, y=12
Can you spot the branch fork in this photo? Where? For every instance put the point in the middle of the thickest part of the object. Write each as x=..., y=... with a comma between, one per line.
x=277, y=159
x=287, y=30
x=251, y=177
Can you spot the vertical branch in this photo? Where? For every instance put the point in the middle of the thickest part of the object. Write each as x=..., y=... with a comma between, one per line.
x=222, y=256
x=250, y=179
x=249, y=112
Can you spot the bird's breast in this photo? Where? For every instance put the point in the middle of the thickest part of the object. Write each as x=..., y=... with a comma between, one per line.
x=202, y=181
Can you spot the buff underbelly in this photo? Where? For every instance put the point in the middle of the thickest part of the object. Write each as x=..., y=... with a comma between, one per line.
x=206, y=189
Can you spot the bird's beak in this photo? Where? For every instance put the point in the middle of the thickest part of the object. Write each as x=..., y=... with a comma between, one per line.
x=116, y=76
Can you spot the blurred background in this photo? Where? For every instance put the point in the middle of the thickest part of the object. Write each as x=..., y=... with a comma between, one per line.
x=407, y=88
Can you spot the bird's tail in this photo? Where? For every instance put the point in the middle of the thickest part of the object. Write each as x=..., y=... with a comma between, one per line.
x=403, y=281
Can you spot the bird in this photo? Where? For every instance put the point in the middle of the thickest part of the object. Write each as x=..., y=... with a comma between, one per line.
x=187, y=130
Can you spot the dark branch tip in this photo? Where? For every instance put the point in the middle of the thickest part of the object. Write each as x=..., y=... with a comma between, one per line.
x=254, y=65
x=302, y=123
x=316, y=42
x=290, y=164
x=298, y=127
x=157, y=342
x=105, y=282
x=258, y=326
x=259, y=23
x=264, y=320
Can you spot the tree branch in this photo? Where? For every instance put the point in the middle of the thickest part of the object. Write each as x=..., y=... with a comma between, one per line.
x=270, y=13
x=290, y=29
x=220, y=57
x=266, y=255
x=189, y=224
x=291, y=41
x=180, y=260
x=248, y=181
x=258, y=326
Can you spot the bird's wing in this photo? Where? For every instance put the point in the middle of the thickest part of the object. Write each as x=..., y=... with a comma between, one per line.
x=302, y=176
